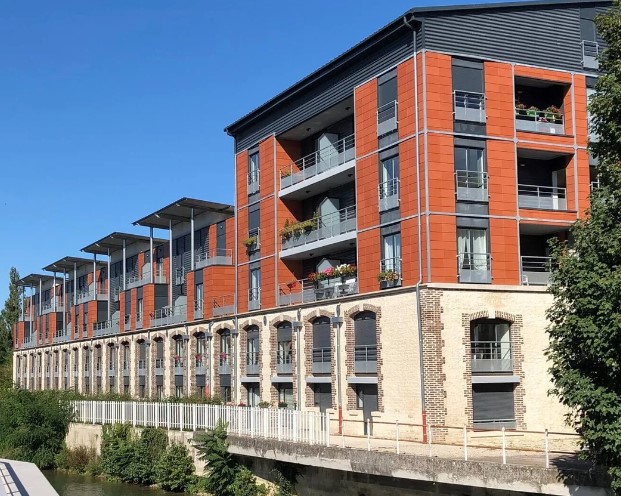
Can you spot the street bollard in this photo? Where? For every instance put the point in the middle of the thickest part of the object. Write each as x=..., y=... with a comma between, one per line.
x=397, y=428
x=504, y=447
x=465, y=443
x=547, y=449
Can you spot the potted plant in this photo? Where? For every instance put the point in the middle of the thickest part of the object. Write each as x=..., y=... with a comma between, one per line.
x=282, y=404
x=249, y=242
x=388, y=278
x=264, y=404
x=532, y=111
x=552, y=114
x=520, y=109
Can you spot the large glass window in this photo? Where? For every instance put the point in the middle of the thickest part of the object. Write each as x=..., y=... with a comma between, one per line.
x=198, y=297
x=491, y=346
x=285, y=396
x=252, y=346
x=472, y=248
x=225, y=347
x=253, y=167
x=389, y=177
x=255, y=285
x=391, y=252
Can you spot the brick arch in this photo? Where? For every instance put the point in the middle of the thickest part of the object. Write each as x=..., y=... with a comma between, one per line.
x=251, y=322
x=222, y=325
x=308, y=354
x=281, y=318
x=517, y=341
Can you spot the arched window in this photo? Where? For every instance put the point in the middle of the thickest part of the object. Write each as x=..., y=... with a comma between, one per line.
x=225, y=348
x=491, y=346
x=200, y=350
x=284, y=351
x=365, y=343
x=322, y=350
x=252, y=350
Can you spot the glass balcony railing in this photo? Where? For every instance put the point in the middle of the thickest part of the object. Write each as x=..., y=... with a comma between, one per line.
x=106, y=328
x=474, y=267
x=469, y=106
x=307, y=291
x=471, y=186
x=169, y=315
x=535, y=270
x=542, y=197
x=223, y=305
x=491, y=356
x=214, y=257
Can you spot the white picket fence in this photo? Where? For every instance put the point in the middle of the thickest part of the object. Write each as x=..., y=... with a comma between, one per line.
x=281, y=424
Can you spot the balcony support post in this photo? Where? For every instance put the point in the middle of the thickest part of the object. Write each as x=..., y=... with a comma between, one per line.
x=95, y=276
x=54, y=291
x=151, y=257
x=124, y=267
x=192, y=239
x=170, y=262
x=109, y=285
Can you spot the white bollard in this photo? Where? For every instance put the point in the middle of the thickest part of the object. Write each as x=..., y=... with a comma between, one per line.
x=504, y=447
x=368, y=435
x=465, y=443
x=547, y=449
x=397, y=429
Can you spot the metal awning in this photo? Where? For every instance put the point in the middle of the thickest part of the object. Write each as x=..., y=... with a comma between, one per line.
x=181, y=211
x=33, y=280
x=67, y=264
x=114, y=242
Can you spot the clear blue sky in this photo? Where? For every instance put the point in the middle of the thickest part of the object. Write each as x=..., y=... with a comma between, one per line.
x=110, y=110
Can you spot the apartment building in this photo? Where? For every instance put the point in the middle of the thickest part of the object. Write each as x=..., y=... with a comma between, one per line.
x=387, y=255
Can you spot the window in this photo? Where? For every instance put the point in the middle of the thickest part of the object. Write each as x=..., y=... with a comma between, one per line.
x=493, y=406
x=387, y=103
x=200, y=349
x=284, y=349
x=254, y=397
x=126, y=389
x=285, y=396
x=253, y=172
x=252, y=354
x=179, y=351
x=491, y=346
x=200, y=391
x=139, y=308
x=178, y=391
x=254, y=293
x=389, y=177
x=322, y=348
x=198, y=297
x=225, y=394
x=391, y=253
x=365, y=343
x=470, y=175
x=472, y=249
x=225, y=347
x=159, y=391
x=141, y=390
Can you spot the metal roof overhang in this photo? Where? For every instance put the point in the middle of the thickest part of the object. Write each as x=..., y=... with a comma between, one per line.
x=181, y=211
x=67, y=264
x=33, y=280
x=114, y=242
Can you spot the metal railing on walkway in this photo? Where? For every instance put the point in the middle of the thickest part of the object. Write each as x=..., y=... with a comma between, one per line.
x=281, y=424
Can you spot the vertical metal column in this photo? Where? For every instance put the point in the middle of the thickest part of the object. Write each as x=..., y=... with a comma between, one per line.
x=95, y=276
x=124, y=268
x=67, y=332
x=75, y=284
x=40, y=301
x=109, y=287
x=170, y=262
x=192, y=240
x=54, y=291
x=151, y=255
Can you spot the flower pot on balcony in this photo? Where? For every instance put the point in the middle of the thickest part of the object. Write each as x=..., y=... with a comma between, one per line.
x=390, y=284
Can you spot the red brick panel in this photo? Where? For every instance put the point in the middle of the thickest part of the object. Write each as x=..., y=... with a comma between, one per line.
x=405, y=98
x=441, y=160
x=439, y=92
x=367, y=181
x=365, y=104
x=266, y=166
x=407, y=173
x=502, y=181
x=504, y=249
x=369, y=255
x=409, y=251
x=443, y=237
x=499, y=105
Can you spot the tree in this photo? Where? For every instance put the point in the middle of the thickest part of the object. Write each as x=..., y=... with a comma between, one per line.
x=585, y=317
x=9, y=315
x=213, y=449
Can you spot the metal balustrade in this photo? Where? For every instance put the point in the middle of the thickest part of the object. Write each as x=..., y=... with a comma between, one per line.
x=169, y=315
x=469, y=106
x=85, y=295
x=318, y=162
x=254, y=298
x=252, y=363
x=590, y=54
x=283, y=362
x=282, y=424
x=253, y=182
x=322, y=360
x=390, y=272
x=594, y=185
x=223, y=305
x=474, y=267
x=180, y=276
x=214, y=257
x=471, y=186
x=307, y=291
x=535, y=270
x=491, y=356
x=387, y=118
x=322, y=228
x=542, y=197
x=106, y=328
x=388, y=193
x=540, y=121
x=365, y=359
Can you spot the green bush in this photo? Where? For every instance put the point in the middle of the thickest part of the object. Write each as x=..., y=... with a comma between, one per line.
x=80, y=459
x=33, y=425
x=117, y=451
x=245, y=484
x=174, y=471
x=147, y=449
x=212, y=448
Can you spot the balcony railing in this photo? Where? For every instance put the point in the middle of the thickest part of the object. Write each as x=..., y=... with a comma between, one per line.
x=322, y=360
x=387, y=118
x=61, y=338
x=29, y=342
x=137, y=280
x=48, y=306
x=90, y=294
x=253, y=242
x=106, y=328
x=254, y=298
x=159, y=366
x=390, y=272
x=252, y=363
x=178, y=366
x=214, y=257
x=198, y=309
x=223, y=305
x=542, y=197
x=323, y=228
x=540, y=121
x=142, y=367
x=225, y=364
x=180, y=276
x=471, y=186
x=474, y=267
x=388, y=193
x=365, y=359
x=590, y=54
x=594, y=185
x=169, y=315
x=307, y=291
x=283, y=362
x=26, y=318
x=535, y=270
x=253, y=182
x=469, y=106
x=491, y=356
x=318, y=162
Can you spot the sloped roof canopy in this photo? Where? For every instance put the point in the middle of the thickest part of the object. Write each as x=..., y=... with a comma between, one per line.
x=181, y=211
x=67, y=264
x=114, y=242
x=33, y=280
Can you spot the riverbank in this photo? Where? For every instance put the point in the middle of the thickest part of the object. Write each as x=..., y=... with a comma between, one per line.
x=67, y=484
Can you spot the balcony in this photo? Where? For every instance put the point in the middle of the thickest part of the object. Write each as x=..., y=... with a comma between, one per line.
x=180, y=276
x=25, y=318
x=491, y=356
x=542, y=197
x=307, y=291
x=539, y=121
x=29, y=342
x=137, y=280
x=198, y=310
x=169, y=315
x=322, y=360
x=365, y=359
x=590, y=54
x=320, y=234
x=390, y=273
x=253, y=241
x=159, y=366
x=106, y=328
x=178, y=366
x=387, y=118
x=253, y=182
x=142, y=368
x=252, y=363
x=254, y=298
x=199, y=365
x=319, y=171
x=48, y=307
x=215, y=257
x=471, y=186
x=223, y=305
x=535, y=270
x=388, y=193
x=469, y=106
x=474, y=267
x=61, y=338
x=116, y=294
x=225, y=364
x=90, y=294
x=138, y=321
x=283, y=362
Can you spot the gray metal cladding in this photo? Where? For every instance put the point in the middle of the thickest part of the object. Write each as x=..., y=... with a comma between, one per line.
x=328, y=92
x=548, y=37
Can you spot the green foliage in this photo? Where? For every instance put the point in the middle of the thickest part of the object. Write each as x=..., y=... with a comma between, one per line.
x=285, y=484
x=212, y=447
x=117, y=451
x=245, y=484
x=174, y=470
x=82, y=459
x=585, y=318
x=9, y=316
x=147, y=449
x=33, y=425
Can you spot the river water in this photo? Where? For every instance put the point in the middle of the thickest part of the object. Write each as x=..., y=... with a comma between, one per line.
x=82, y=485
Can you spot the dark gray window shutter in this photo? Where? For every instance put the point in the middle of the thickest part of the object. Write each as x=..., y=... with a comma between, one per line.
x=492, y=402
x=321, y=332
